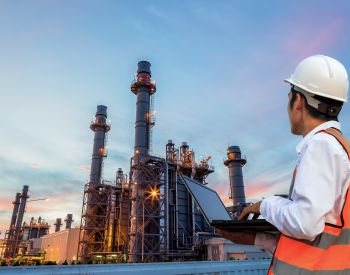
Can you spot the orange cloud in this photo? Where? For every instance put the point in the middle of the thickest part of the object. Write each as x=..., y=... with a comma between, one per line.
x=35, y=165
x=3, y=227
x=222, y=190
x=84, y=167
x=258, y=190
x=6, y=204
x=56, y=202
x=264, y=189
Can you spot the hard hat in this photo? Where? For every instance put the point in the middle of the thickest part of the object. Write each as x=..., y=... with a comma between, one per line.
x=321, y=75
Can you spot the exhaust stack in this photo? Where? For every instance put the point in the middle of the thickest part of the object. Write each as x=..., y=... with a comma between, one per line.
x=235, y=162
x=69, y=221
x=58, y=224
x=100, y=126
x=143, y=87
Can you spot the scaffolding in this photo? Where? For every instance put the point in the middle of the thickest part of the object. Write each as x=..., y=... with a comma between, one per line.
x=104, y=219
x=105, y=210
x=148, y=220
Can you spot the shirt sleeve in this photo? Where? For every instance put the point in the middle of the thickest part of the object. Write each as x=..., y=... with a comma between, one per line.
x=314, y=193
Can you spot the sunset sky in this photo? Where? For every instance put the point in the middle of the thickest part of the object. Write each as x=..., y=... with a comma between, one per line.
x=219, y=67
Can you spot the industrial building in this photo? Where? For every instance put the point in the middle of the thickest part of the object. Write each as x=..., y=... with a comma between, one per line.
x=220, y=249
x=58, y=247
x=27, y=239
x=14, y=242
x=149, y=215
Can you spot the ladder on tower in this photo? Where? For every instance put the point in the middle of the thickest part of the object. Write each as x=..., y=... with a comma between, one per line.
x=105, y=151
x=152, y=120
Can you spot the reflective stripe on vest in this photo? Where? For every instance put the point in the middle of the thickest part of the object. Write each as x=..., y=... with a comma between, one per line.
x=329, y=253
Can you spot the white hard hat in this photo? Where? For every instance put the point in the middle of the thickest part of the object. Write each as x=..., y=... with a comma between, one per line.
x=321, y=75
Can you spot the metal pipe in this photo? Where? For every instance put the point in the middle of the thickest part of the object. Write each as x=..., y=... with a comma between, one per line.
x=176, y=209
x=112, y=219
x=166, y=203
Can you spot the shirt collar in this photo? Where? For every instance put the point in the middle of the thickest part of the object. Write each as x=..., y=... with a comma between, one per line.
x=323, y=126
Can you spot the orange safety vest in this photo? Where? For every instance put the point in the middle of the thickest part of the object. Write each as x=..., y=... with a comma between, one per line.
x=329, y=253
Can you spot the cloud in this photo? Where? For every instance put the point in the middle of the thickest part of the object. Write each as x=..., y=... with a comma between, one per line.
x=61, y=202
x=326, y=37
x=308, y=40
x=65, y=191
x=4, y=225
x=35, y=165
x=84, y=167
x=6, y=204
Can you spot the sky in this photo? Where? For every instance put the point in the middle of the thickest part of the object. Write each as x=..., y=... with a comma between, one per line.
x=219, y=67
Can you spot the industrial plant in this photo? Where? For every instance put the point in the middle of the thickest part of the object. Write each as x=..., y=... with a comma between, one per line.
x=20, y=237
x=148, y=214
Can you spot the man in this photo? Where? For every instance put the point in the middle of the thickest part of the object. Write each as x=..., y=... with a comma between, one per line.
x=314, y=221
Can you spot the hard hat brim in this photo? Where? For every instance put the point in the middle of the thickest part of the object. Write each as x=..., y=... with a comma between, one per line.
x=292, y=82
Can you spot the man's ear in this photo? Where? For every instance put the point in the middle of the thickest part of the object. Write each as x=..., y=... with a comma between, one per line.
x=299, y=102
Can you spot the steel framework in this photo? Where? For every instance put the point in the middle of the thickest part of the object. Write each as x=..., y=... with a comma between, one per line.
x=148, y=220
x=104, y=219
x=187, y=226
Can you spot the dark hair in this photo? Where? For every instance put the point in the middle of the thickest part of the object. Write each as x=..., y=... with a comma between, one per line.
x=313, y=112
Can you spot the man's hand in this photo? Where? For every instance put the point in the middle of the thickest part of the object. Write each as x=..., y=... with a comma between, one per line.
x=254, y=208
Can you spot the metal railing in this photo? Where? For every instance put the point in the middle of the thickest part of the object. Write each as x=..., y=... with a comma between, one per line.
x=246, y=267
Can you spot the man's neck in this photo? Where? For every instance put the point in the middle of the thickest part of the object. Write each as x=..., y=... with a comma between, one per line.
x=311, y=124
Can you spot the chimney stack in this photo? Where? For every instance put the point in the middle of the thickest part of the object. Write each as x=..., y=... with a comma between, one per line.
x=58, y=224
x=143, y=87
x=69, y=220
x=100, y=126
x=234, y=163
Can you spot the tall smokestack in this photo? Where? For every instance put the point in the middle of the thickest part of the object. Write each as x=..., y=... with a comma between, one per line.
x=100, y=126
x=22, y=205
x=12, y=229
x=93, y=200
x=143, y=87
x=235, y=162
x=143, y=230
x=69, y=221
x=58, y=224
x=15, y=211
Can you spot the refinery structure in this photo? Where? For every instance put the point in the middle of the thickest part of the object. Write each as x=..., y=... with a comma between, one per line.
x=19, y=237
x=149, y=214
x=146, y=215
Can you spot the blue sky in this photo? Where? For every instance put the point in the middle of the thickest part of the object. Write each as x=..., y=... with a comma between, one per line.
x=219, y=66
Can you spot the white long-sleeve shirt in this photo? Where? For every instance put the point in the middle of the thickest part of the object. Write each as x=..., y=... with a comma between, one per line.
x=319, y=190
